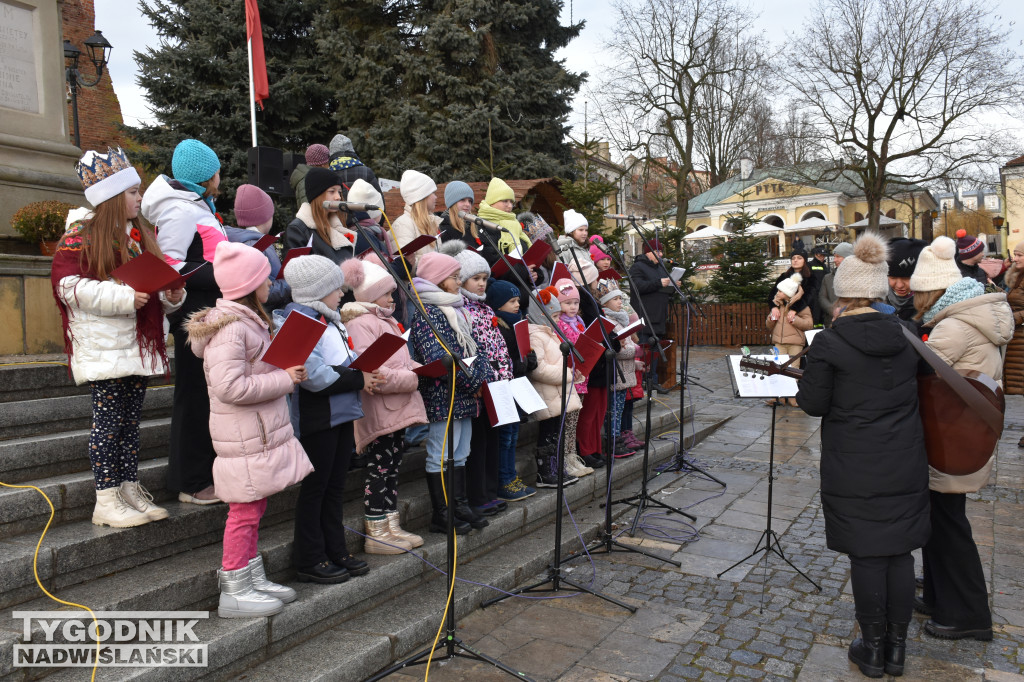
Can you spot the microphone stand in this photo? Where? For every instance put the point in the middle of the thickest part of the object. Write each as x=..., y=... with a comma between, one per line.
x=554, y=576
x=450, y=643
x=680, y=462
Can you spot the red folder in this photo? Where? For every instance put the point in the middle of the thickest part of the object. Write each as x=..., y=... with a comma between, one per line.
x=435, y=369
x=559, y=272
x=534, y=255
x=609, y=274
x=377, y=353
x=594, y=332
x=293, y=253
x=294, y=341
x=500, y=268
x=591, y=352
x=418, y=243
x=522, y=332
x=148, y=273
x=265, y=242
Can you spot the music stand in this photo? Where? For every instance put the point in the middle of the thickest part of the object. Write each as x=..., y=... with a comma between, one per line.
x=776, y=388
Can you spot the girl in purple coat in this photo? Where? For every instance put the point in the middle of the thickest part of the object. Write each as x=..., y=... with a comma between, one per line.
x=257, y=452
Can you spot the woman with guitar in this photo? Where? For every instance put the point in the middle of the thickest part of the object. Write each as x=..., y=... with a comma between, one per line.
x=861, y=378
x=966, y=328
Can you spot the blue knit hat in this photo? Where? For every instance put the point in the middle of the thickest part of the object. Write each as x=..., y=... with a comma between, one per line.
x=194, y=162
x=499, y=292
x=456, y=191
x=957, y=292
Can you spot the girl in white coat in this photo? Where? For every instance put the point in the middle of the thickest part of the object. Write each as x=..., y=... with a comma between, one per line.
x=113, y=335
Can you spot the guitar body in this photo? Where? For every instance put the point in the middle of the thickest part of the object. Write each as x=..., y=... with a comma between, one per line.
x=957, y=440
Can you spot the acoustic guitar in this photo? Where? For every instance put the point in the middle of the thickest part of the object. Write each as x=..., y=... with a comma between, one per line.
x=959, y=440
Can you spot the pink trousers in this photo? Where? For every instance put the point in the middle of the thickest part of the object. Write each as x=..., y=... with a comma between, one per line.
x=241, y=532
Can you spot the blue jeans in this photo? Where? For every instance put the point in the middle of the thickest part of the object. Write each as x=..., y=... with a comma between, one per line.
x=437, y=448
x=508, y=438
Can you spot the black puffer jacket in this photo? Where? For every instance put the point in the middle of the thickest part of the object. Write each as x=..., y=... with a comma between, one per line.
x=647, y=277
x=861, y=379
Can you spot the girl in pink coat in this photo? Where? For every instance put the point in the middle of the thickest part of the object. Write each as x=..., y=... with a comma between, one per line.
x=257, y=452
x=392, y=407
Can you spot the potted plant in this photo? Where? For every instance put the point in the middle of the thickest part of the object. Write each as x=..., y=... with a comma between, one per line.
x=42, y=222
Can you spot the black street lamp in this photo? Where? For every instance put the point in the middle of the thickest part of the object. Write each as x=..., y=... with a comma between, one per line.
x=99, y=54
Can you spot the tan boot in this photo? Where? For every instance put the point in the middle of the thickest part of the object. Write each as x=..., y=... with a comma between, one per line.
x=111, y=510
x=378, y=533
x=136, y=495
x=396, y=530
x=574, y=466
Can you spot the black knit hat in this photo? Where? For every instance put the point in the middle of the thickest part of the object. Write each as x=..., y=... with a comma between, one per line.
x=318, y=181
x=903, y=255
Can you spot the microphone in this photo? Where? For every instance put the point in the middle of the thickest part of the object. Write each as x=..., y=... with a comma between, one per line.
x=481, y=222
x=619, y=216
x=349, y=207
x=602, y=247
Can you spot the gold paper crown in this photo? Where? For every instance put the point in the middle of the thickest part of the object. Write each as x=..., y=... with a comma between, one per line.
x=97, y=167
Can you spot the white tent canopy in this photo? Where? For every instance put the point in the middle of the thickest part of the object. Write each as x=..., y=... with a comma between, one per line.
x=762, y=228
x=883, y=221
x=708, y=233
x=809, y=225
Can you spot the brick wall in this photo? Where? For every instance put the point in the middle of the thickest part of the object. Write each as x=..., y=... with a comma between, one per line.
x=99, y=112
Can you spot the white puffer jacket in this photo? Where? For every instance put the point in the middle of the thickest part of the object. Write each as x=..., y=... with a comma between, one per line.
x=101, y=321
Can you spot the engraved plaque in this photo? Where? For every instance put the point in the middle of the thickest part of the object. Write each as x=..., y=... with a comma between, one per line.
x=18, y=87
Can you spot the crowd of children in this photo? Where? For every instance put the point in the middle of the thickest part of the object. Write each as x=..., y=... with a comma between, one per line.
x=243, y=429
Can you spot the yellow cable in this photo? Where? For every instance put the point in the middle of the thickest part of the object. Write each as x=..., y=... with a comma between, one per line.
x=669, y=408
x=33, y=362
x=35, y=572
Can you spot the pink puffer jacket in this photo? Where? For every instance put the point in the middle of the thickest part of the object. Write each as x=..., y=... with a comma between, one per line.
x=257, y=452
x=397, y=404
x=547, y=378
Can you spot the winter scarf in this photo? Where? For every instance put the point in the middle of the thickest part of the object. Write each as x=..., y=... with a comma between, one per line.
x=572, y=326
x=431, y=294
x=353, y=310
x=149, y=319
x=957, y=292
x=321, y=307
x=515, y=237
x=508, y=318
x=474, y=297
x=343, y=162
x=620, y=317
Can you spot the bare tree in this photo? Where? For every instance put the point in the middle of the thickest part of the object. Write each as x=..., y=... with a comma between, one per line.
x=906, y=92
x=683, y=73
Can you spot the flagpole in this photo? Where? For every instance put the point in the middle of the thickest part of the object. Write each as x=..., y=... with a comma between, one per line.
x=252, y=94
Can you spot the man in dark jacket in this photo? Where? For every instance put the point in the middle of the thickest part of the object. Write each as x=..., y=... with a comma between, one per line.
x=652, y=289
x=819, y=268
x=903, y=254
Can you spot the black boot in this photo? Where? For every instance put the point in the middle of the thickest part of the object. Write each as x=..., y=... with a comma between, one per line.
x=895, y=648
x=547, y=476
x=463, y=511
x=439, y=517
x=868, y=651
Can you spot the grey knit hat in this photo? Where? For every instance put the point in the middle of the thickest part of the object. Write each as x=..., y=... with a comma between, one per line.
x=843, y=250
x=470, y=262
x=340, y=143
x=865, y=274
x=312, y=277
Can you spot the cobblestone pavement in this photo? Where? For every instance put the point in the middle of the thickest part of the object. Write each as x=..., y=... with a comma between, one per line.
x=760, y=620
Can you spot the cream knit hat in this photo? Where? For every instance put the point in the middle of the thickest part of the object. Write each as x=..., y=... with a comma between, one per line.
x=416, y=186
x=789, y=285
x=865, y=274
x=936, y=269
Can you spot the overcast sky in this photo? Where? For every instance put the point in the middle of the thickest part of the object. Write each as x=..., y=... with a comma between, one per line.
x=126, y=29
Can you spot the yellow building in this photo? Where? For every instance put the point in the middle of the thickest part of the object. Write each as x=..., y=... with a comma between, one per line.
x=825, y=208
x=1012, y=177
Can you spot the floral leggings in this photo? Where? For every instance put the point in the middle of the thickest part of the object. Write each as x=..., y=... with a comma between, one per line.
x=383, y=457
x=114, y=440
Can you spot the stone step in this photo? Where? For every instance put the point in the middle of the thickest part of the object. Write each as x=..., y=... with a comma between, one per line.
x=47, y=376
x=66, y=452
x=73, y=412
x=401, y=596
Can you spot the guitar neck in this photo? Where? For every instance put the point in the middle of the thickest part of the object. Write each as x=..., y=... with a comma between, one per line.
x=769, y=368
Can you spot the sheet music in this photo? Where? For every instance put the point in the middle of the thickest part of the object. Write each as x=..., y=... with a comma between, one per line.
x=526, y=395
x=677, y=273
x=758, y=385
x=810, y=334
x=504, y=403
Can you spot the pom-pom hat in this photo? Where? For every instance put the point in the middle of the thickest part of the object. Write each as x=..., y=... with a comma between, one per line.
x=104, y=176
x=253, y=206
x=416, y=186
x=312, y=277
x=367, y=281
x=549, y=297
x=968, y=246
x=239, y=269
x=471, y=263
x=935, y=269
x=865, y=274
x=790, y=285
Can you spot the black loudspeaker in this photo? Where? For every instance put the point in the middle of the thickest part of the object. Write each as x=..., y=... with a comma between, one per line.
x=265, y=165
x=290, y=161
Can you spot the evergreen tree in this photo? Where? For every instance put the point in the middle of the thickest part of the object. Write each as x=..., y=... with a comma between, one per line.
x=587, y=192
x=197, y=81
x=743, y=271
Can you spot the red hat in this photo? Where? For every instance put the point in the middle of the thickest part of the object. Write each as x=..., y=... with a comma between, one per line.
x=654, y=244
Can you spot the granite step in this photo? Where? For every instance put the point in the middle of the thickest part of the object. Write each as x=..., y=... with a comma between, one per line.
x=382, y=616
x=19, y=419
x=47, y=376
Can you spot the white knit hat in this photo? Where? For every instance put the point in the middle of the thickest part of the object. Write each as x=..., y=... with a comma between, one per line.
x=470, y=262
x=573, y=221
x=312, y=277
x=368, y=281
x=865, y=274
x=936, y=269
x=362, y=192
x=416, y=186
x=789, y=285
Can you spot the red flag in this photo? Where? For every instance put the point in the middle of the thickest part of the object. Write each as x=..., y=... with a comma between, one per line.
x=254, y=32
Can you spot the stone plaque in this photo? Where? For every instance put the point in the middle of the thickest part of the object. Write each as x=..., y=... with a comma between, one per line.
x=18, y=86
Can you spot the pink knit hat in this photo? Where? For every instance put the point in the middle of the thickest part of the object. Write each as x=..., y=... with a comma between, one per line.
x=317, y=155
x=567, y=291
x=367, y=280
x=239, y=269
x=436, y=267
x=253, y=206
x=597, y=254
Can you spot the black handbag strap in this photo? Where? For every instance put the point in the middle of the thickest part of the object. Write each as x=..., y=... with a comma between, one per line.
x=970, y=395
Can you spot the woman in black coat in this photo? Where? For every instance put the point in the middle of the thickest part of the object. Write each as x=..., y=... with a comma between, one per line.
x=861, y=379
